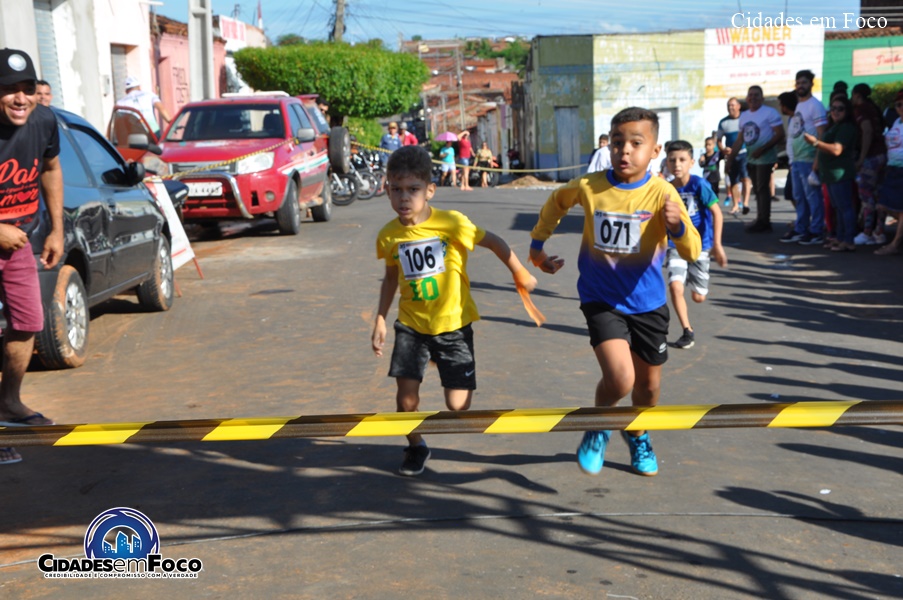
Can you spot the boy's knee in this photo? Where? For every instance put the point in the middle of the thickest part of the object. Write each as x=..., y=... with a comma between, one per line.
x=698, y=298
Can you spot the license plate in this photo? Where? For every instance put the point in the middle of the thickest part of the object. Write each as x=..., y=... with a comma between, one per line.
x=204, y=188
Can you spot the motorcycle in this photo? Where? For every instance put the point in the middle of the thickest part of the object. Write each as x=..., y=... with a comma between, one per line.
x=344, y=188
x=367, y=182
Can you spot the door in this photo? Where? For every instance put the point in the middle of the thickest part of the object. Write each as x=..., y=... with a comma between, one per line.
x=132, y=224
x=50, y=64
x=567, y=124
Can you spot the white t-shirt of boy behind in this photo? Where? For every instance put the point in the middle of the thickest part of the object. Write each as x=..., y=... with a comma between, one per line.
x=809, y=115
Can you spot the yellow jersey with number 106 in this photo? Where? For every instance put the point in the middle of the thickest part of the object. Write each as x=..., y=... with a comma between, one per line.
x=432, y=270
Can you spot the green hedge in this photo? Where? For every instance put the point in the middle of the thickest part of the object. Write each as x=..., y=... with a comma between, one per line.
x=367, y=131
x=883, y=93
x=359, y=81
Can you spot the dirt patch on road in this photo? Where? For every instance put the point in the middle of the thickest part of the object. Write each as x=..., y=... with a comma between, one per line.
x=529, y=181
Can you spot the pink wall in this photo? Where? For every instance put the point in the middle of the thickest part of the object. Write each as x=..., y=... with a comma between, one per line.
x=173, y=72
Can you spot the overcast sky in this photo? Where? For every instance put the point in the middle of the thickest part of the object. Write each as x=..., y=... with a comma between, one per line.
x=387, y=19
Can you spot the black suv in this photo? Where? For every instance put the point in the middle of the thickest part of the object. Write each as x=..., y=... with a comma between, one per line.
x=116, y=240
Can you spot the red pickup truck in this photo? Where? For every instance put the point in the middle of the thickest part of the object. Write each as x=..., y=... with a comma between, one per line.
x=248, y=157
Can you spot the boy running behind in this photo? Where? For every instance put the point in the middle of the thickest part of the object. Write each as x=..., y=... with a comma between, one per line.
x=702, y=206
x=627, y=216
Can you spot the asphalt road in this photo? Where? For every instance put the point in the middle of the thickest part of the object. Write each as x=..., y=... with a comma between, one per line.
x=280, y=326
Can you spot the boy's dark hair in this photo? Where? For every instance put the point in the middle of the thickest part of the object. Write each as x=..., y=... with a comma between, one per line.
x=603, y=137
x=634, y=114
x=788, y=100
x=41, y=82
x=710, y=138
x=805, y=73
x=410, y=160
x=680, y=145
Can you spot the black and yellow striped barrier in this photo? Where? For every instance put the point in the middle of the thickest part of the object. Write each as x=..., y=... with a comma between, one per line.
x=538, y=420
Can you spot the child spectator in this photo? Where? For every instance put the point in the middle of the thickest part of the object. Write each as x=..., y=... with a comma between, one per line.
x=447, y=156
x=709, y=163
x=705, y=214
x=627, y=216
x=425, y=250
x=788, y=102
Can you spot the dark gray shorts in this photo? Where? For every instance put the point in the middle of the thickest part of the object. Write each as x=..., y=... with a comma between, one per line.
x=452, y=352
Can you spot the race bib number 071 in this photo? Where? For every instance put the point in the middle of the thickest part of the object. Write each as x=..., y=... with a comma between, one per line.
x=421, y=258
x=616, y=233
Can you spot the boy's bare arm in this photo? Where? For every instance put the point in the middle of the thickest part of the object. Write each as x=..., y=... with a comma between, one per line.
x=501, y=249
x=717, y=225
x=386, y=297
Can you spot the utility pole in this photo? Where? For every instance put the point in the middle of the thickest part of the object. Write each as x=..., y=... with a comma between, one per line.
x=460, y=84
x=338, y=27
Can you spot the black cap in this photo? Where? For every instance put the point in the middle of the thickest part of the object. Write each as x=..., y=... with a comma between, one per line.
x=16, y=66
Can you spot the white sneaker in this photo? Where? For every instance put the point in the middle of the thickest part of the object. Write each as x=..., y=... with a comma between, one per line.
x=878, y=239
x=863, y=239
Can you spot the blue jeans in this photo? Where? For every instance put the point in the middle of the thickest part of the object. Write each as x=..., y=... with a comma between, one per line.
x=841, y=195
x=810, y=210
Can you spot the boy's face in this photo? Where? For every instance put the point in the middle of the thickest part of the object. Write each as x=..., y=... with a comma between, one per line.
x=410, y=196
x=633, y=145
x=709, y=146
x=679, y=164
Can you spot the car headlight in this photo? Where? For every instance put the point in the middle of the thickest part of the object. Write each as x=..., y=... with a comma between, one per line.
x=253, y=164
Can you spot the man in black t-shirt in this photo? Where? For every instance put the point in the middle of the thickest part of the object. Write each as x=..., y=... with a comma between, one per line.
x=29, y=163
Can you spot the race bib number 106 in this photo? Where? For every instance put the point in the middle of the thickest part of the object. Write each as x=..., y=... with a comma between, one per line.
x=422, y=258
x=616, y=233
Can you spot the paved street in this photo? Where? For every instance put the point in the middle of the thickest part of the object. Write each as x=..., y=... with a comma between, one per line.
x=280, y=326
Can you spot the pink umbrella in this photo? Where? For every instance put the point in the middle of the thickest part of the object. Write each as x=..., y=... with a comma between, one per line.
x=448, y=136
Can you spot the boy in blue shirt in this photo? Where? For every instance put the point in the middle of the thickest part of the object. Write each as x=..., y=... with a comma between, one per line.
x=628, y=216
x=705, y=214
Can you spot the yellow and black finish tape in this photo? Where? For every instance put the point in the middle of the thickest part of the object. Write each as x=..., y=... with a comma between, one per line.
x=533, y=420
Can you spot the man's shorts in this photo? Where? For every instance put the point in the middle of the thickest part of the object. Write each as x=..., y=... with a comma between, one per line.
x=20, y=290
x=738, y=170
x=448, y=167
x=451, y=351
x=647, y=333
x=694, y=275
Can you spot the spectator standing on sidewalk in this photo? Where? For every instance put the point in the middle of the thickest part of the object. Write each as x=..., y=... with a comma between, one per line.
x=837, y=169
x=407, y=138
x=390, y=142
x=761, y=129
x=601, y=158
x=29, y=154
x=869, y=164
x=890, y=193
x=465, y=149
x=810, y=118
x=738, y=184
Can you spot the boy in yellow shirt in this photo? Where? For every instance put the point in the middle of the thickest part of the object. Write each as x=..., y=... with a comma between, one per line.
x=425, y=250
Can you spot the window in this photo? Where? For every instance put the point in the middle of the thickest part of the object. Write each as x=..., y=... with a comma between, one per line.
x=317, y=116
x=228, y=122
x=106, y=166
x=73, y=168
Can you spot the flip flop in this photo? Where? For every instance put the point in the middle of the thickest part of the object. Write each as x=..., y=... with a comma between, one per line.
x=29, y=421
x=9, y=456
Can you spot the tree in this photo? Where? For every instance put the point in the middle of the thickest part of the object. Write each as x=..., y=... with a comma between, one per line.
x=359, y=81
x=289, y=39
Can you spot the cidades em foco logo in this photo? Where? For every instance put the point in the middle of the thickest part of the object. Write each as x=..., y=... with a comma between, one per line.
x=120, y=543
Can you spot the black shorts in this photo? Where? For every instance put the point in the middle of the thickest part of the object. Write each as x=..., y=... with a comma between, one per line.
x=451, y=351
x=647, y=333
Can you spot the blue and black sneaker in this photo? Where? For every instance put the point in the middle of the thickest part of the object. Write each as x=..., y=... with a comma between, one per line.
x=642, y=457
x=591, y=453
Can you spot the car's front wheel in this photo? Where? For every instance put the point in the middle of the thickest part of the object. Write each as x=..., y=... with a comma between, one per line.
x=323, y=212
x=157, y=292
x=63, y=343
x=288, y=217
